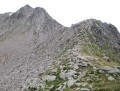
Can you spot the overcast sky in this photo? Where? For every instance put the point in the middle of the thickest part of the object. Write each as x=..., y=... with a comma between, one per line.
x=69, y=12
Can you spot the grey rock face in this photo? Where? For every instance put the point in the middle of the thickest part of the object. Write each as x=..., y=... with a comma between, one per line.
x=30, y=40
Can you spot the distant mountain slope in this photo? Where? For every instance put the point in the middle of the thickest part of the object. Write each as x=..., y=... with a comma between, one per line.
x=100, y=37
x=30, y=40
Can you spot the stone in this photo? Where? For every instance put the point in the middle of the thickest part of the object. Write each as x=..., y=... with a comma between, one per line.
x=75, y=66
x=84, y=64
x=85, y=89
x=79, y=84
x=35, y=83
x=68, y=74
x=90, y=64
x=83, y=58
x=63, y=88
x=82, y=74
x=60, y=87
x=109, y=69
x=70, y=78
x=48, y=78
x=101, y=71
x=114, y=70
x=54, y=70
x=70, y=83
x=63, y=75
x=95, y=68
x=84, y=84
x=111, y=78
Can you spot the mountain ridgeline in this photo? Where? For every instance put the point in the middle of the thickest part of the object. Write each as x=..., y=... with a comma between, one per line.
x=39, y=54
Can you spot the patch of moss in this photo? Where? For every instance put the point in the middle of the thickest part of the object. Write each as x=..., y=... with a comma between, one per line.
x=97, y=51
x=107, y=86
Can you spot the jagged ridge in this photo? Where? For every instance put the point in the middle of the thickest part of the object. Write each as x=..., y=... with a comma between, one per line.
x=30, y=40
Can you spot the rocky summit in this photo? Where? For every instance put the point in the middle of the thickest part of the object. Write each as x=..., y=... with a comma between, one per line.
x=39, y=54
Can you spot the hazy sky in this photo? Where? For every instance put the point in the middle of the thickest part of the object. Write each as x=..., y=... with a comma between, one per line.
x=68, y=12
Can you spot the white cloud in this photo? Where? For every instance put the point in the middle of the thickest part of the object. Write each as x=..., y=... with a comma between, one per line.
x=71, y=11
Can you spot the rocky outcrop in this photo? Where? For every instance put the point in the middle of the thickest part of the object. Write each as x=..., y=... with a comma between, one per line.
x=97, y=32
x=92, y=77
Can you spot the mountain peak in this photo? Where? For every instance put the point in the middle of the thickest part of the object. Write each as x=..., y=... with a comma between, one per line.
x=27, y=6
x=24, y=11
